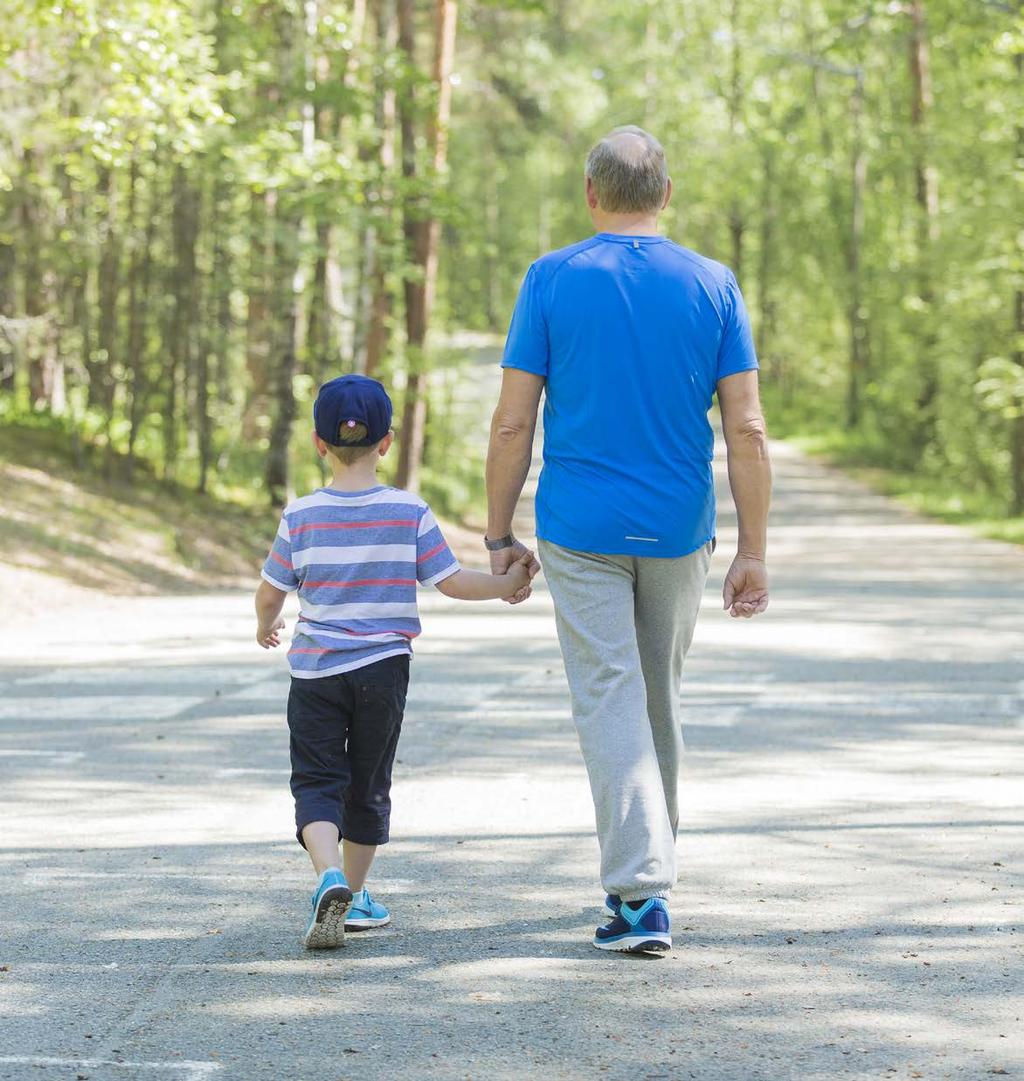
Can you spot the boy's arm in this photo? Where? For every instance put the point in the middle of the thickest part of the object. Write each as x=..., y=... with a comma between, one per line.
x=269, y=602
x=466, y=585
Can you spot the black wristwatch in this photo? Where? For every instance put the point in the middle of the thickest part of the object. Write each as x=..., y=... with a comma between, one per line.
x=498, y=545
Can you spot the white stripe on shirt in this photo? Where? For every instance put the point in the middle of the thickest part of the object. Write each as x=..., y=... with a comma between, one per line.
x=452, y=568
x=356, y=553
x=340, y=499
x=324, y=613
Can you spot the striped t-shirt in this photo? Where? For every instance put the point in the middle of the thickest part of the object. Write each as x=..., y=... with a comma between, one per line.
x=355, y=558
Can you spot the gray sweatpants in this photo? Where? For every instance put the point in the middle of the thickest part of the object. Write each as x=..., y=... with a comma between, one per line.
x=624, y=625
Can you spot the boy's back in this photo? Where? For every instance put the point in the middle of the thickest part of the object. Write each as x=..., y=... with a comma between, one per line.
x=355, y=559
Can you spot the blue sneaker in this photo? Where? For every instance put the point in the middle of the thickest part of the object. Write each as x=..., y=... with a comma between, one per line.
x=612, y=904
x=331, y=901
x=365, y=912
x=646, y=929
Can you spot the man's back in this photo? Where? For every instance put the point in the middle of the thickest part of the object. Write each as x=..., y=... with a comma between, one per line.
x=632, y=335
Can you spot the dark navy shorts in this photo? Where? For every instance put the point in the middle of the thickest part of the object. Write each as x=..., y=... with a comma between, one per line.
x=344, y=734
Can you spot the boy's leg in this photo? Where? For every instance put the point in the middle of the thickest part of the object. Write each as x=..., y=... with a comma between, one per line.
x=318, y=721
x=594, y=607
x=321, y=839
x=378, y=692
x=358, y=859
x=319, y=714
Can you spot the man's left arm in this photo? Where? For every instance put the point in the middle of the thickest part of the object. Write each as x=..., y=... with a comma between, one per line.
x=508, y=460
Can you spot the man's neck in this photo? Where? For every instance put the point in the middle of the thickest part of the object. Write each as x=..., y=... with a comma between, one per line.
x=627, y=224
x=354, y=479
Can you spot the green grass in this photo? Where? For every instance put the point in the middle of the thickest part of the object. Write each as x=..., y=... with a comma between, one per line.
x=943, y=498
x=61, y=513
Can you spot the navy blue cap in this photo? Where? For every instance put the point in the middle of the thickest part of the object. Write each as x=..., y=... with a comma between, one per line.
x=351, y=400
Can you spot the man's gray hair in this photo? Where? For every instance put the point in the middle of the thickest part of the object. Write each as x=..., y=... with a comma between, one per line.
x=628, y=171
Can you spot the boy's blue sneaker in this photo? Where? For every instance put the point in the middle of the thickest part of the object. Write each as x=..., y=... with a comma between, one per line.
x=365, y=912
x=646, y=929
x=612, y=904
x=331, y=901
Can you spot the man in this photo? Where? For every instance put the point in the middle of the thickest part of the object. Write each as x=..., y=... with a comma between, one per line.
x=631, y=336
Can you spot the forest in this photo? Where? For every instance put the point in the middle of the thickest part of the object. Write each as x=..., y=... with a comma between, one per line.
x=209, y=206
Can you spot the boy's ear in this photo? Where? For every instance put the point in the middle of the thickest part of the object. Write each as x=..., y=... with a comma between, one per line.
x=321, y=446
x=385, y=444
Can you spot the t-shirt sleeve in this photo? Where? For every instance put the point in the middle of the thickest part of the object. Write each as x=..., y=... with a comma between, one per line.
x=736, y=350
x=435, y=561
x=526, y=346
x=278, y=569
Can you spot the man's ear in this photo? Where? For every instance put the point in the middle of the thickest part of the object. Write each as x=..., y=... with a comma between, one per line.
x=591, y=195
x=385, y=444
x=668, y=193
x=321, y=446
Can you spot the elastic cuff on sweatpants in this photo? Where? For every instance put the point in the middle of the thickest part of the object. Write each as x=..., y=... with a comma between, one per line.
x=643, y=895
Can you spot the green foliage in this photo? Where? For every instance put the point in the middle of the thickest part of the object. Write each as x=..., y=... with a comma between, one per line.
x=192, y=195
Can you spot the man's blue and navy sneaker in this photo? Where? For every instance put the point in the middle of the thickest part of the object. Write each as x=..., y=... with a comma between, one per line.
x=365, y=912
x=612, y=904
x=646, y=929
x=331, y=901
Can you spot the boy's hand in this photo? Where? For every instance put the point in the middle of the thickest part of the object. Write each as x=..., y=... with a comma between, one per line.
x=268, y=637
x=520, y=574
x=505, y=557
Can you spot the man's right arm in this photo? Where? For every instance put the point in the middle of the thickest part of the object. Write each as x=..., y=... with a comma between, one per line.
x=508, y=458
x=750, y=478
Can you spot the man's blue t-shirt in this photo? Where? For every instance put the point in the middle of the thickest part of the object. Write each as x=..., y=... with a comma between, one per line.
x=632, y=335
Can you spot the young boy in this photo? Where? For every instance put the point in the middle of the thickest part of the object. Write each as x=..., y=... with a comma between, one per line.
x=355, y=551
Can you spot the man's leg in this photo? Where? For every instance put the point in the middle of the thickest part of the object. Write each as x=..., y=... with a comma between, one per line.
x=594, y=606
x=668, y=595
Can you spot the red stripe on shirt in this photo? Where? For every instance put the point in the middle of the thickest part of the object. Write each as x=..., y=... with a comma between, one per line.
x=280, y=559
x=433, y=552
x=350, y=525
x=364, y=582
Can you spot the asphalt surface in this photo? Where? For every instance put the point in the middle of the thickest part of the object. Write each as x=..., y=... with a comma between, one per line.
x=851, y=847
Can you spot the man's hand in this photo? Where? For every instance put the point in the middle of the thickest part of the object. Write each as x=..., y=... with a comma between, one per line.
x=503, y=559
x=746, y=587
x=269, y=637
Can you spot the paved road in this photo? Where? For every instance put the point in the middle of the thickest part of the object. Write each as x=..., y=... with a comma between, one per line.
x=851, y=851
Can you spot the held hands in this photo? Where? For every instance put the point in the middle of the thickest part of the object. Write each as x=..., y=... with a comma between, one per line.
x=269, y=637
x=745, y=593
x=518, y=562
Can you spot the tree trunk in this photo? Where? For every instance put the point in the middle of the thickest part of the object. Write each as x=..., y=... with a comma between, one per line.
x=766, y=306
x=139, y=297
x=287, y=308
x=379, y=314
x=185, y=228
x=8, y=355
x=422, y=230
x=857, y=322
x=102, y=384
x=737, y=224
x=926, y=190
x=257, y=330
x=1017, y=424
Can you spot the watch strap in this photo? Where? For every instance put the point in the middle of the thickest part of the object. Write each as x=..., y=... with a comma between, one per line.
x=501, y=543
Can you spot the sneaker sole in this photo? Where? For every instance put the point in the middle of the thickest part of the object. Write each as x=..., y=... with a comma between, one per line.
x=648, y=943
x=327, y=930
x=366, y=924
